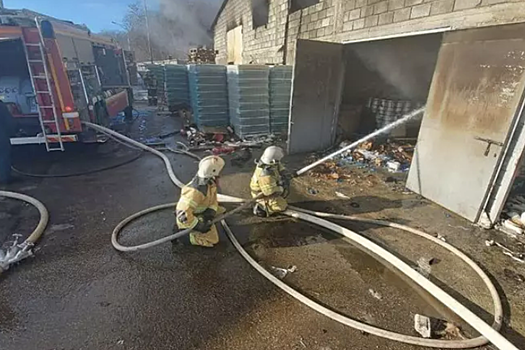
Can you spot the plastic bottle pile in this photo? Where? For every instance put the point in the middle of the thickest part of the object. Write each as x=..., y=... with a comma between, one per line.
x=388, y=111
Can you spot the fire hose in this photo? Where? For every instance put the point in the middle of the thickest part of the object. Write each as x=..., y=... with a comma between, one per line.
x=17, y=252
x=487, y=332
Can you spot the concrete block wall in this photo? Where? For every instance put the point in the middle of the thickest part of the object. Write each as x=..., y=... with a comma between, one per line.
x=261, y=45
x=346, y=20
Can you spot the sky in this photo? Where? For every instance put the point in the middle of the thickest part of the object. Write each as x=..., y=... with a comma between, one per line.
x=96, y=14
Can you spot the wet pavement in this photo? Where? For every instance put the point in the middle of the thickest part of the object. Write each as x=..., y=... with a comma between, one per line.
x=79, y=293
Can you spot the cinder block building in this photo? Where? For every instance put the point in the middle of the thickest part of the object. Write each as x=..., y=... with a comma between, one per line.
x=266, y=31
x=463, y=59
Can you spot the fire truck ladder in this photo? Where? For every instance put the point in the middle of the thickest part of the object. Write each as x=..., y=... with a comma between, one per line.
x=38, y=71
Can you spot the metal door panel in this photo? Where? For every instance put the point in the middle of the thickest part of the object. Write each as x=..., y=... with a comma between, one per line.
x=509, y=168
x=473, y=98
x=317, y=82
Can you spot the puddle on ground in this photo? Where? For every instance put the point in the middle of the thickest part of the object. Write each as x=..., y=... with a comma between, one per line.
x=27, y=188
x=284, y=232
x=60, y=227
x=339, y=274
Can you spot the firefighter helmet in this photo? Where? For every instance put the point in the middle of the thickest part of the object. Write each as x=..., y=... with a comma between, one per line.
x=210, y=166
x=272, y=155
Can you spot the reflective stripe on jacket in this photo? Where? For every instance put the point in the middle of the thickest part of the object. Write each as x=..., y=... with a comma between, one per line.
x=267, y=179
x=196, y=197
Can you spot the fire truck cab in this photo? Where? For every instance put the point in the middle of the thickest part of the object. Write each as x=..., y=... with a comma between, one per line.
x=55, y=74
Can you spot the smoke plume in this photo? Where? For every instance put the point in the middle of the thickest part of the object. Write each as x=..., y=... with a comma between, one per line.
x=181, y=24
x=175, y=26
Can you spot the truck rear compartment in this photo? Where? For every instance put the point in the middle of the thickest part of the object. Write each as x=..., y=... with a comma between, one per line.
x=16, y=89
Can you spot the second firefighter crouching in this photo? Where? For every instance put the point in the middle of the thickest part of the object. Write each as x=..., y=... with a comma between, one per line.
x=198, y=205
x=270, y=180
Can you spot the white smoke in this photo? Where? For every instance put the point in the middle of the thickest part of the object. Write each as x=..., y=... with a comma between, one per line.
x=181, y=24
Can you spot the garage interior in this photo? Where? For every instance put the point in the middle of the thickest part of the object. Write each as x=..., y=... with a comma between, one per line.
x=369, y=85
x=384, y=80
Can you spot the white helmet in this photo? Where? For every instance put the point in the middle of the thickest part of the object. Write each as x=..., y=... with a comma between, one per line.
x=210, y=166
x=272, y=155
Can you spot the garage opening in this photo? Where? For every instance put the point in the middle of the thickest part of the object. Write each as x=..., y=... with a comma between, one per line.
x=381, y=81
x=384, y=80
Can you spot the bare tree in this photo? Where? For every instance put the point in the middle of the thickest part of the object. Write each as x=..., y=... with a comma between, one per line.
x=117, y=36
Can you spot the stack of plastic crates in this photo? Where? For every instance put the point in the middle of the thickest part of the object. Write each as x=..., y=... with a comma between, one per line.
x=208, y=94
x=177, y=86
x=280, y=91
x=249, y=99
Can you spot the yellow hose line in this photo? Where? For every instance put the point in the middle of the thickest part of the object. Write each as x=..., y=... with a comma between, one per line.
x=44, y=215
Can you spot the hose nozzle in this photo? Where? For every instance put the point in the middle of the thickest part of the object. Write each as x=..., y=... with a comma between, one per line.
x=14, y=253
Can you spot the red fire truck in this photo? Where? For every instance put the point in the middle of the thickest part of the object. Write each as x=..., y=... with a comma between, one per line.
x=55, y=74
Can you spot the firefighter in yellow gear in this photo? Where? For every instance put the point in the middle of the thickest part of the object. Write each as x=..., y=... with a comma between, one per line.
x=198, y=204
x=270, y=180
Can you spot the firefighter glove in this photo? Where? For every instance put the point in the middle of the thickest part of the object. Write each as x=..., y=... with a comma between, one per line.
x=203, y=226
x=209, y=214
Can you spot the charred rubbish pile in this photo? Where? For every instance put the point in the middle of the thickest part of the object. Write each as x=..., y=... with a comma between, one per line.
x=390, y=157
x=201, y=55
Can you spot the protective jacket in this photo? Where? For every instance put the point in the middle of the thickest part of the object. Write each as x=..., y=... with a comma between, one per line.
x=196, y=197
x=198, y=203
x=271, y=182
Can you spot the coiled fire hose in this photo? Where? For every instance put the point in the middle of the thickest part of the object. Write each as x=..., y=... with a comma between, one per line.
x=487, y=332
x=18, y=252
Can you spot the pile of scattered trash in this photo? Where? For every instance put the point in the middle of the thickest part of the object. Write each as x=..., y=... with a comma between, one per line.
x=332, y=171
x=216, y=141
x=513, y=221
x=391, y=155
x=329, y=170
x=517, y=254
x=222, y=140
